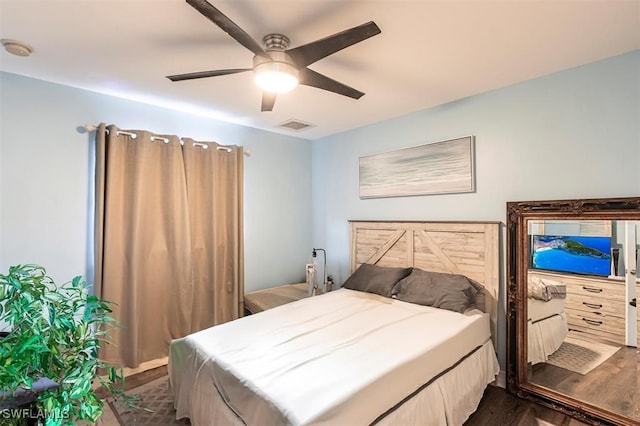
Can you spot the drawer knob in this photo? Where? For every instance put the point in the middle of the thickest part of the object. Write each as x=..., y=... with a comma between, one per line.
x=592, y=305
x=592, y=289
x=592, y=322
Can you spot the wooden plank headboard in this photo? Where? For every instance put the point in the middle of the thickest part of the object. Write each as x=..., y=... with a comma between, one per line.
x=468, y=248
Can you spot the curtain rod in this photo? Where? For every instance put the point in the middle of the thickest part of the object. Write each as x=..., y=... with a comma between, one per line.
x=91, y=128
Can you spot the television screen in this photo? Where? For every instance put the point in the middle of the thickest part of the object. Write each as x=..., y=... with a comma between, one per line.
x=579, y=255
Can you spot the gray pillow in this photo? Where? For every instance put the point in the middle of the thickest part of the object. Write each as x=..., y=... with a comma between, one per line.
x=479, y=300
x=375, y=279
x=444, y=291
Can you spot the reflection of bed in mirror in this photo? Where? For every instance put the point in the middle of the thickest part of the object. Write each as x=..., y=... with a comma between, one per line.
x=547, y=321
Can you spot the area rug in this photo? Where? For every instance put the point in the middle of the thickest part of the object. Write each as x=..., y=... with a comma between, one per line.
x=156, y=398
x=581, y=356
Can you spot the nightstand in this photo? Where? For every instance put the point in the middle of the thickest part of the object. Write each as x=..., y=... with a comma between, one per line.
x=258, y=301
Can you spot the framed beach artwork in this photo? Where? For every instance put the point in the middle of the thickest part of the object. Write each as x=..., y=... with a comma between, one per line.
x=445, y=167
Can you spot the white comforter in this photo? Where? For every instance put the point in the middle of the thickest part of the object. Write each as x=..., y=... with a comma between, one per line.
x=342, y=358
x=547, y=328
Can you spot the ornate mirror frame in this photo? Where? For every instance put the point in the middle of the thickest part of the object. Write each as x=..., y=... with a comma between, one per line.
x=518, y=216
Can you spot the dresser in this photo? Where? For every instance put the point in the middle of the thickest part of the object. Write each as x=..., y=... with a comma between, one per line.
x=594, y=306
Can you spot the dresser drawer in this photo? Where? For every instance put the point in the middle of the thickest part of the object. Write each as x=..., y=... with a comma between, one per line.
x=596, y=290
x=585, y=285
x=582, y=303
x=605, y=326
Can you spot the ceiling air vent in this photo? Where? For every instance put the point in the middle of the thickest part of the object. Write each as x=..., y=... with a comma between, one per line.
x=295, y=125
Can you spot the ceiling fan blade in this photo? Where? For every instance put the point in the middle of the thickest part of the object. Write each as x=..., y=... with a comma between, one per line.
x=268, y=100
x=228, y=26
x=311, y=78
x=204, y=74
x=309, y=53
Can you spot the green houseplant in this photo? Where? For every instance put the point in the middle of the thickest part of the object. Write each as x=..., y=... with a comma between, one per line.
x=55, y=332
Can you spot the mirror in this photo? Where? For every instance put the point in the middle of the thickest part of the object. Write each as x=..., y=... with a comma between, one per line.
x=572, y=320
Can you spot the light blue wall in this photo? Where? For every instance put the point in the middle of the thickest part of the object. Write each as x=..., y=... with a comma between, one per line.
x=573, y=134
x=44, y=179
x=568, y=135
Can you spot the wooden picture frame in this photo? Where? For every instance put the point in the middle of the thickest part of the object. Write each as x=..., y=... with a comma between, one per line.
x=445, y=167
x=519, y=216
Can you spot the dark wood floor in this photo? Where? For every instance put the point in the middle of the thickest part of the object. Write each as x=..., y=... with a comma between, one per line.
x=613, y=385
x=497, y=408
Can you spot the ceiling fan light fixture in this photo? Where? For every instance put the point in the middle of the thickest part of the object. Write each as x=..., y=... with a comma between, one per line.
x=276, y=77
x=278, y=69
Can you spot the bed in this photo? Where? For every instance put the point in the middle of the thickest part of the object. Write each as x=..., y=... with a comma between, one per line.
x=547, y=321
x=352, y=356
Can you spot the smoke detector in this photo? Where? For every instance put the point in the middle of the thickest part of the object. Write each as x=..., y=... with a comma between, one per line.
x=16, y=47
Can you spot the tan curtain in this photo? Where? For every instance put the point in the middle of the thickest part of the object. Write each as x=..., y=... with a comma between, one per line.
x=214, y=188
x=168, y=239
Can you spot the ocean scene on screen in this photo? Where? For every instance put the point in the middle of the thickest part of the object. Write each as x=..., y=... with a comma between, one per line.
x=580, y=255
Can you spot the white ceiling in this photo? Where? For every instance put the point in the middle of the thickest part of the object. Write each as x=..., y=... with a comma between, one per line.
x=429, y=52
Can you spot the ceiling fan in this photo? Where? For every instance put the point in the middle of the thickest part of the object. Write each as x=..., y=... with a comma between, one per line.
x=278, y=69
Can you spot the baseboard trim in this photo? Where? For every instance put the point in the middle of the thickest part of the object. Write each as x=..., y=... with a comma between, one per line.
x=144, y=366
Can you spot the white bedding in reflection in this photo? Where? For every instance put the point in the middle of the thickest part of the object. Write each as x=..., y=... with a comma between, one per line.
x=342, y=358
x=547, y=328
x=537, y=309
